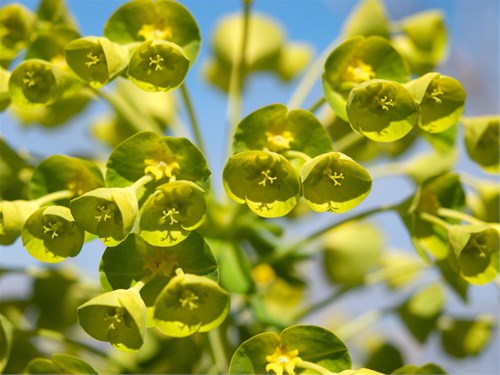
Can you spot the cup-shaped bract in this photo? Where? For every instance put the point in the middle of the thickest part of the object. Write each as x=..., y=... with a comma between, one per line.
x=462, y=338
x=118, y=317
x=367, y=18
x=163, y=157
x=49, y=44
x=13, y=215
x=59, y=364
x=293, y=59
x=96, y=60
x=474, y=252
x=264, y=180
x=441, y=100
x=383, y=111
x=51, y=235
x=144, y=20
x=423, y=41
x=358, y=60
x=109, y=213
x=172, y=212
x=274, y=128
x=190, y=304
x=16, y=23
x=482, y=141
x=334, y=182
x=61, y=172
x=158, y=65
x=35, y=83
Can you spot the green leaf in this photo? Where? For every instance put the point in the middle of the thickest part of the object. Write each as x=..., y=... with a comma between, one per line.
x=385, y=357
x=356, y=60
x=273, y=128
x=486, y=205
x=443, y=142
x=61, y=172
x=6, y=335
x=4, y=89
x=190, y=304
x=268, y=351
x=367, y=18
x=172, y=212
x=118, y=317
x=424, y=39
x=428, y=368
x=13, y=215
x=334, y=182
x=351, y=251
x=453, y=279
x=55, y=13
x=482, y=139
x=145, y=20
x=474, y=252
x=441, y=99
x=122, y=266
x=96, y=60
x=35, y=83
x=264, y=180
x=381, y=110
x=59, y=364
x=51, y=235
x=109, y=213
x=16, y=23
x=294, y=57
x=463, y=338
x=15, y=173
x=163, y=157
x=49, y=44
x=157, y=65
x=420, y=312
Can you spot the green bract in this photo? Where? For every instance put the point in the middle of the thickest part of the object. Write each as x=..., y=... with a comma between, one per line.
x=172, y=212
x=59, y=364
x=4, y=89
x=96, y=60
x=368, y=18
x=474, y=252
x=264, y=180
x=49, y=44
x=461, y=338
x=109, y=213
x=357, y=60
x=13, y=215
x=118, y=317
x=144, y=20
x=268, y=352
x=441, y=101
x=273, y=128
x=61, y=172
x=6, y=336
x=157, y=65
x=35, y=83
x=51, y=235
x=428, y=368
x=423, y=42
x=16, y=23
x=190, y=304
x=383, y=111
x=482, y=140
x=164, y=158
x=334, y=182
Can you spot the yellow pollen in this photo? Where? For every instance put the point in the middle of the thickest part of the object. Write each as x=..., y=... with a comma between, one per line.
x=51, y=227
x=93, y=59
x=267, y=178
x=282, y=361
x=279, y=141
x=335, y=177
x=104, y=213
x=29, y=79
x=189, y=300
x=358, y=72
x=435, y=95
x=170, y=214
x=155, y=31
x=156, y=62
x=160, y=169
x=385, y=103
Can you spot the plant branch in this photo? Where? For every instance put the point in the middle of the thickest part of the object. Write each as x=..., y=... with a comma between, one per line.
x=315, y=367
x=195, y=127
x=361, y=323
x=52, y=197
x=317, y=105
x=218, y=352
x=435, y=220
x=141, y=182
x=323, y=303
x=452, y=214
x=297, y=155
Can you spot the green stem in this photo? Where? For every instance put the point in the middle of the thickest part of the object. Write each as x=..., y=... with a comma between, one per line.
x=323, y=303
x=435, y=220
x=58, y=336
x=386, y=170
x=52, y=197
x=195, y=127
x=287, y=250
x=317, y=105
x=146, y=279
x=347, y=141
x=361, y=323
x=315, y=367
x=310, y=78
x=452, y=214
x=297, y=155
x=237, y=76
x=141, y=182
x=219, y=354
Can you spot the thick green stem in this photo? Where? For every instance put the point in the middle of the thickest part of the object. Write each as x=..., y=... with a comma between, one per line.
x=452, y=214
x=57, y=336
x=323, y=303
x=195, y=127
x=146, y=279
x=52, y=197
x=313, y=366
x=361, y=323
x=317, y=105
x=141, y=182
x=347, y=141
x=296, y=155
x=435, y=220
x=218, y=352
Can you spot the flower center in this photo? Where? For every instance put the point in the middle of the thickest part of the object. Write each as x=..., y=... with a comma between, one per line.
x=29, y=79
x=189, y=300
x=267, y=178
x=104, y=212
x=358, y=72
x=384, y=102
x=170, y=214
x=279, y=141
x=156, y=31
x=283, y=361
x=334, y=177
x=51, y=228
x=156, y=62
x=161, y=169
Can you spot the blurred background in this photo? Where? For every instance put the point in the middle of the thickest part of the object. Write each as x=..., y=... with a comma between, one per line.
x=473, y=59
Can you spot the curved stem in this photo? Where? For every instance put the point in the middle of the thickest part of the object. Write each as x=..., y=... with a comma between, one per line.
x=452, y=214
x=347, y=141
x=146, y=279
x=361, y=322
x=195, y=127
x=52, y=197
x=58, y=336
x=435, y=220
x=323, y=303
x=317, y=104
x=218, y=352
x=310, y=78
x=141, y=182
x=297, y=155
x=315, y=367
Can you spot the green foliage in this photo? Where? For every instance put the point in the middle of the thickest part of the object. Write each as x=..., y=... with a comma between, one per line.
x=59, y=364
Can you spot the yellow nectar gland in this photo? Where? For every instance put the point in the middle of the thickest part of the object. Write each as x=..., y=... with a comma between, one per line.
x=105, y=212
x=29, y=79
x=267, y=178
x=52, y=227
x=335, y=177
x=385, y=103
x=189, y=300
x=157, y=62
x=282, y=361
x=160, y=169
x=358, y=72
x=435, y=95
x=160, y=262
x=156, y=31
x=93, y=59
x=170, y=214
x=279, y=141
